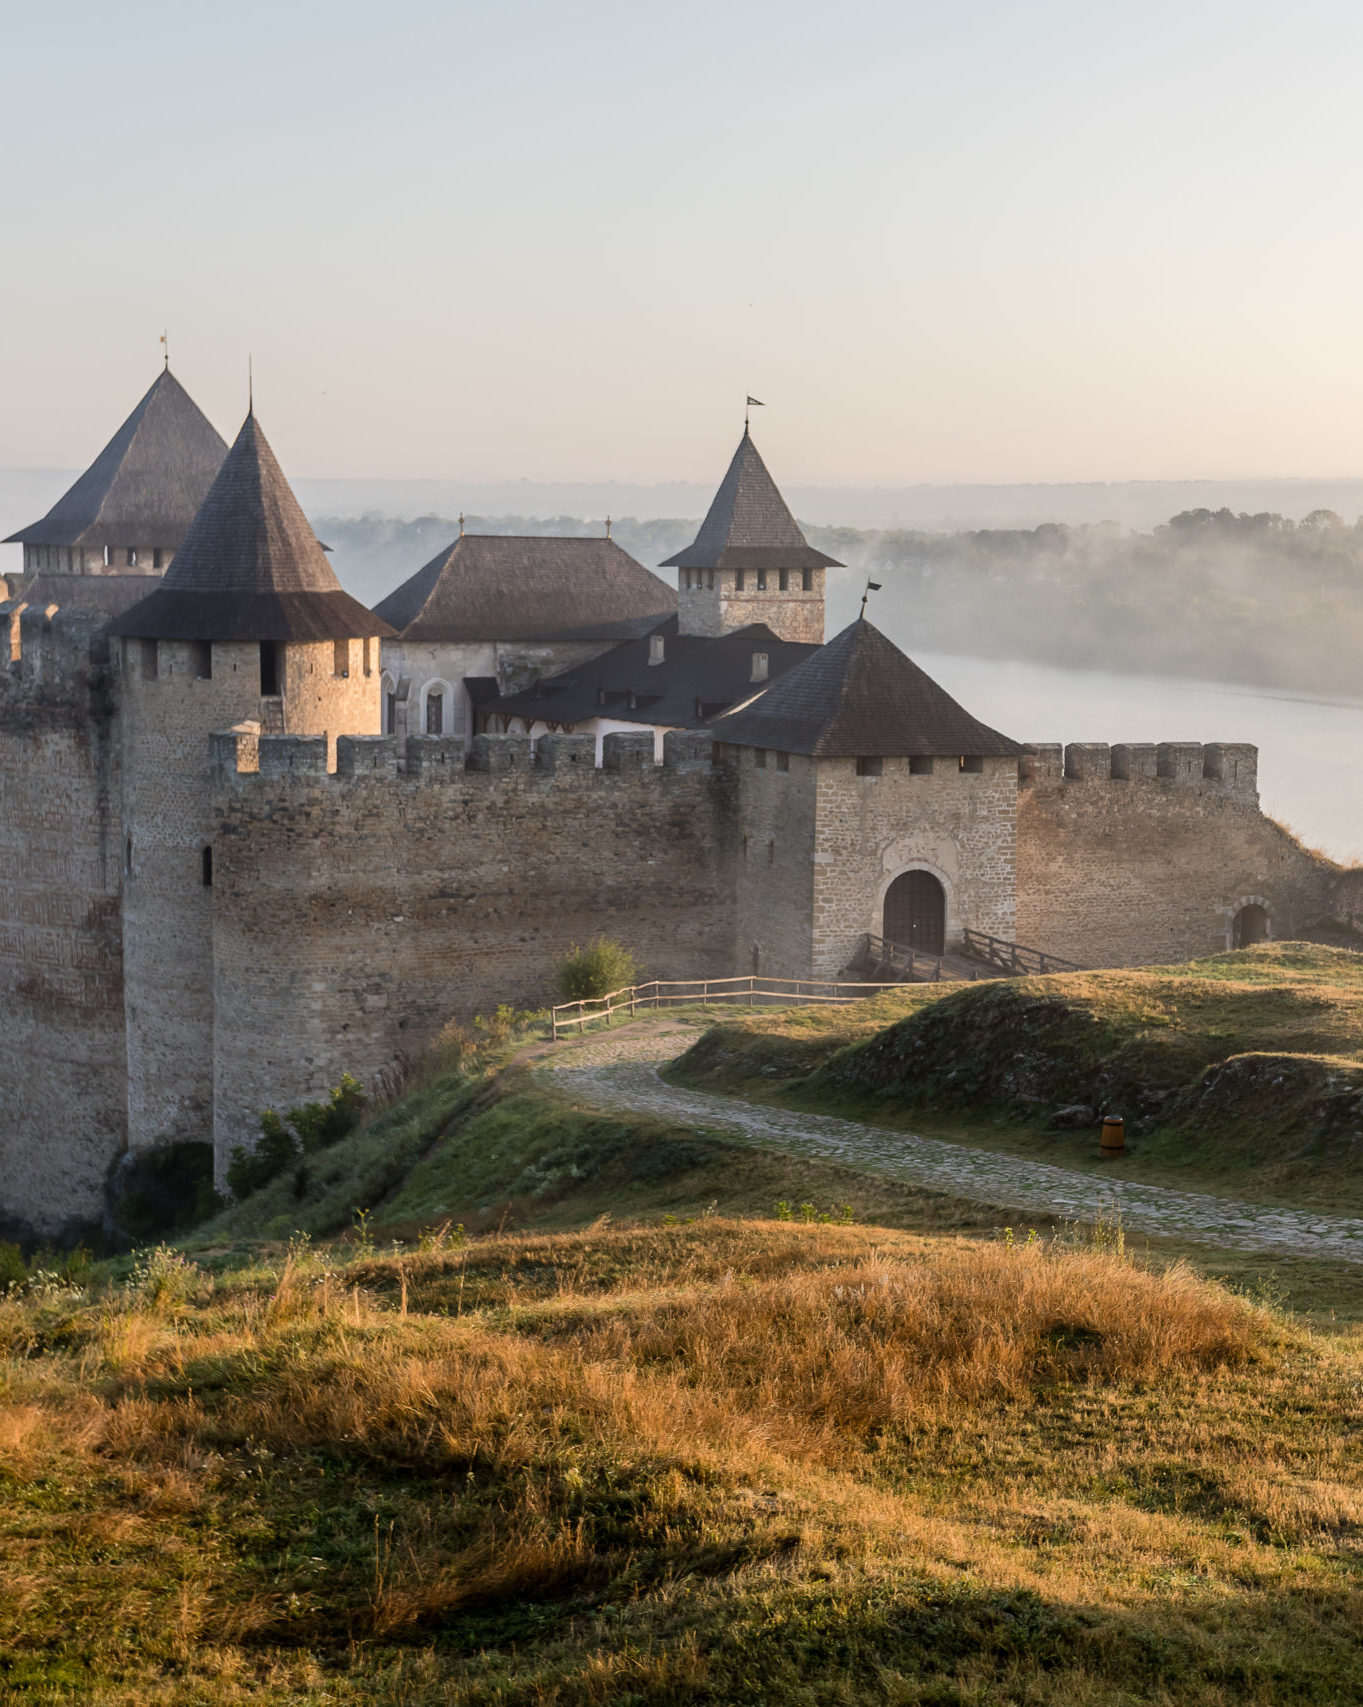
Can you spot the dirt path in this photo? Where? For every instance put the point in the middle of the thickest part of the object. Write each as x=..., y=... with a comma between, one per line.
x=619, y=1070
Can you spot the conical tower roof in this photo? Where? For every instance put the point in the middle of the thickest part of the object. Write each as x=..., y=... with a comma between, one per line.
x=145, y=485
x=250, y=567
x=749, y=525
x=860, y=696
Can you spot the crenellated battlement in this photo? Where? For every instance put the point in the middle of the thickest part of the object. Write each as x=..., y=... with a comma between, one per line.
x=1231, y=766
x=54, y=653
x=245, y=756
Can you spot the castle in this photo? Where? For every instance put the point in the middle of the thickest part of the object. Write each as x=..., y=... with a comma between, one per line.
x=256, y=836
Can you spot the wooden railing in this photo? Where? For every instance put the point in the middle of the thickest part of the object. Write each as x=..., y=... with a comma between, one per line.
x=687, y=992
x=1012, y=957
x=922, y=968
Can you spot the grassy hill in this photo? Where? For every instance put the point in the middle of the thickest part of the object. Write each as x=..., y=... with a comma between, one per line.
x=1242, y=1072
x=502, y=1400
x=727, y=1461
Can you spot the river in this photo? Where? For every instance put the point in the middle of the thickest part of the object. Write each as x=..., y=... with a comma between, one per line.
x=1310, y=746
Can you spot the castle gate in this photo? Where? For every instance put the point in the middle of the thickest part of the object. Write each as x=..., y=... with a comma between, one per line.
x=1249, y=926
x=916, y=912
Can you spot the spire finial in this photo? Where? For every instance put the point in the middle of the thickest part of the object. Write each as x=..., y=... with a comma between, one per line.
x=461, y=524
x=608, y=527
x=165, y=349
x=250, y=388
x=748, y=407
x=871, y=587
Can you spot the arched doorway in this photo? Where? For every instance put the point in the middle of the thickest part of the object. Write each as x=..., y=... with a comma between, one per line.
x=916, y=912
x=1249, y=926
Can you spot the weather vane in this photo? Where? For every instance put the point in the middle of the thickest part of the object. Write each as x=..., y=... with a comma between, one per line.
x=165, y=347
x=871, y=587
x=748, y=407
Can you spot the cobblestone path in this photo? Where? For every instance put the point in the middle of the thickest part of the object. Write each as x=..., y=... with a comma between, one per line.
x=619, y=1070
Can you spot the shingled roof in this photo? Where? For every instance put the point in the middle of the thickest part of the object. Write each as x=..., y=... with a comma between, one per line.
x=749, y=526
x=145, y=485
x=861, y=696
x=250, y=567
x=697, y=676
x=528, y=587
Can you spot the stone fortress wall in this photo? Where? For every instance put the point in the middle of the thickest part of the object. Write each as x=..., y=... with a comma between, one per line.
x=927, y=815
x=63, y=1087
x=1137, y=854
x=349, y=913
x=355, y=913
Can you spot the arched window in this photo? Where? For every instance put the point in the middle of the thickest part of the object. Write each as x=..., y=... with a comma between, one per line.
x=916, y=912
x=390, y=704
x=437, y=709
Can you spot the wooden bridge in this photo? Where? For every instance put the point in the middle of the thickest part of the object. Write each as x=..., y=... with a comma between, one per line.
x=985, y=956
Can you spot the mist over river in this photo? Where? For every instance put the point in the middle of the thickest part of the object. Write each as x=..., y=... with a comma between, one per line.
x=1310, y=748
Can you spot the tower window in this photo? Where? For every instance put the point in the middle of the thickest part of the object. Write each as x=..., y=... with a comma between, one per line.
x=131, y=557
x=759, y=758
x=108, y=557
x=785, y=580
x=208, y=868
x=340, y=657
x=870, y=766
x=271, y=668
x=920, y=765
x=972, y=763
x=783, y=761
x=760, y=666
x=156, y=557
x=151, y=660
x=435, y=713
x=807, y=580
x=740, y=580
x=368, y=656
x=202, y=657
x=761, y=580
x=392, y=714
x=710, y=580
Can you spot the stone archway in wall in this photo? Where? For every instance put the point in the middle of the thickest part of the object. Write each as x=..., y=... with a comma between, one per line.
x=1252, y=923
x=438, y=711
x=914, y=912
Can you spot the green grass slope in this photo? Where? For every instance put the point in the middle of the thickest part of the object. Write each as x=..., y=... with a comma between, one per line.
x=1243, y=1070
x=725, y=1462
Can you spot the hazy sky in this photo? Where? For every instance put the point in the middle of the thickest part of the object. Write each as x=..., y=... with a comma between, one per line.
x=958, y=241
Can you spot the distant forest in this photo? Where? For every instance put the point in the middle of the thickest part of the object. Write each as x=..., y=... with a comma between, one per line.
x=1212, y=594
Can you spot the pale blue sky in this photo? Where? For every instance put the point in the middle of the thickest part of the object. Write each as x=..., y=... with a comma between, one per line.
x=976, y=241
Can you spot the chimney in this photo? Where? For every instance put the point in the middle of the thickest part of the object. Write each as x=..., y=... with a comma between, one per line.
x=759, y=666
x=656, y=648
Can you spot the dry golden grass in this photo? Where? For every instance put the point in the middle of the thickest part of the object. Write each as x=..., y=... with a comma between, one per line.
x=726, y=1461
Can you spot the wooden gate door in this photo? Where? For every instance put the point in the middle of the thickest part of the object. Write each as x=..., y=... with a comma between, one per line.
x=916, y=912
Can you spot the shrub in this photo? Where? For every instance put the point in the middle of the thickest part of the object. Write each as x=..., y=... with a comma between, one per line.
x=321, y=1123
x=283, y=1139
x=587, y=974
x=161, y=1191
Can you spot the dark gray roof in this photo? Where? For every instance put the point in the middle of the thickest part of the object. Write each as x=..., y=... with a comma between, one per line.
x=860, y=695
x=250, y=567
x=145, y=485
x=698, y=677
x=528, y=587
x=748, y=525
x=111, y=595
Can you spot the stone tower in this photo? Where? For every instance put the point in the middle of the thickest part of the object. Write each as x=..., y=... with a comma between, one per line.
x=871, y=803
x=129, y=511
x=750, y=562
x=249, y=629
